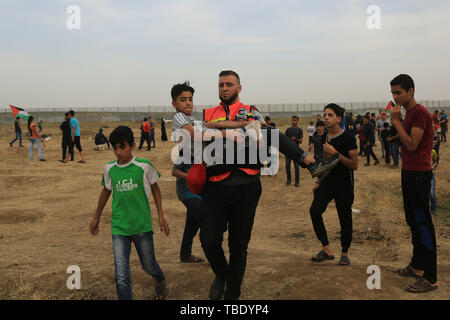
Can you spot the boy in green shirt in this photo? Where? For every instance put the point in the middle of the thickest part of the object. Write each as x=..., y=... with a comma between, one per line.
x=130, y=180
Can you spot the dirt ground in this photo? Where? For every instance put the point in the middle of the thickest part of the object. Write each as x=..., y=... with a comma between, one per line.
x=47, y=208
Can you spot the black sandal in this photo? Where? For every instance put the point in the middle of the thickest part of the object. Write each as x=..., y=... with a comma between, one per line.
x=321, y=257
x=161, y=291
x=420, y=286
x=344, y=261
x=407, y=272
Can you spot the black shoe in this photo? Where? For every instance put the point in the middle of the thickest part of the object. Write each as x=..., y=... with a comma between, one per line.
x=288, y=182
x=376, y=162
x=319, y=168
x=42, y=160
x=366, y=164
x=217, y=289
x=10, y=144
x=297, y=184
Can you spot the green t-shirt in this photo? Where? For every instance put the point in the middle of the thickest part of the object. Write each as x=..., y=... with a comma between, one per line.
x=131, y=188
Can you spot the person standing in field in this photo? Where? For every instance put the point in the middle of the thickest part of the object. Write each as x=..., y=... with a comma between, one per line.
x=34, y=138
x=75, y=137
x=311, y=130
x=337, y=185
x=152, y=131
x=163, y=130
x=416, y=136
x=369, y=133
x=145, y=134
x=130, y=180
x=66, y=138
x=18, y=132
x=296, y=135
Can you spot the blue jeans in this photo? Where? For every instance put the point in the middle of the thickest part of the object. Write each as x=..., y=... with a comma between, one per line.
x=433, y=192
x=146, y=251
x=288, y=170
x=38, y=145
x=394, y=152
x=18, y=136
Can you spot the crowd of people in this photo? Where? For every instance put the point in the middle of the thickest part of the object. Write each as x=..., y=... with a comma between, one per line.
x=222, y=197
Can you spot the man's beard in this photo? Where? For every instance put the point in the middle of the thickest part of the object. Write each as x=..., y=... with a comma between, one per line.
x=229, y=100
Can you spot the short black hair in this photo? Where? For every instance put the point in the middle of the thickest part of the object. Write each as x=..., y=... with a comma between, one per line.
x=295, y=117
x=386, y=125
x=100, y=130
x=66, y=114
x=266, y=118
x=320, y=124
x=404, y=81
x=179, y=88
x=311, y=122
x=72, y=112
x=145, y=119
x=229, y=73
x=121, y=134
x=337, y=109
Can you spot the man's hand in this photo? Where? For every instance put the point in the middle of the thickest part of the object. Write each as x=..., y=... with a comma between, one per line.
x=94, y=226
x=396, y=113
x=163, y=226
x=329, y=149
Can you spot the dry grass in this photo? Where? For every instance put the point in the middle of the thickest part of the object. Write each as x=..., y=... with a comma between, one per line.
x=47, y=208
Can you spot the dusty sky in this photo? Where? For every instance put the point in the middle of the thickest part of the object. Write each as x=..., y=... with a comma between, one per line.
x=130, y=53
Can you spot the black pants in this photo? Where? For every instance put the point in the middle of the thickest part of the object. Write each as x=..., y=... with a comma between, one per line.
x=232, y=208
x=191, y=226
x=369, y=152
x=416, y=188
x=67, y=144
x=443, y=135
x=285, y=145
x=288, y=170
x=343, y=197
x=145, y=136
x=387, y=152
x=361, y=146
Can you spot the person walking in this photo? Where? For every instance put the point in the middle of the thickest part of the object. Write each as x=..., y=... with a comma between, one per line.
x=18, y=132
x=369, y=133
x=34, y=138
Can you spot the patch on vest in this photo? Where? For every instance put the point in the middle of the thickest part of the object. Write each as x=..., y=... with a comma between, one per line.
x=242, y=115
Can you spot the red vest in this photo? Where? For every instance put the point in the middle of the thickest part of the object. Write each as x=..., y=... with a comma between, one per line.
x=146, y=127
x=221, y=113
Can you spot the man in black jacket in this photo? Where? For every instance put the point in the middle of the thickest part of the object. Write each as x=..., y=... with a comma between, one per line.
x=66, y=137
x=369, y=133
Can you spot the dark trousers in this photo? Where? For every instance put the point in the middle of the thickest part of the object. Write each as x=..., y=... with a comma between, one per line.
x=393, y=150
x=343, y=197
x=18, y=136
x=387, y=153
x=369, y=152
x=67, y=144
x=145, y=136
x=232, y=208
x=285, y=145
x=361, y=146
x=103, y=141
x=152, y=138
x=443, y=135
x=288, y=170
x=416, y=187
x=191, y=226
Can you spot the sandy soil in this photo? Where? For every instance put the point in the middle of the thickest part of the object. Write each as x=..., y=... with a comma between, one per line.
x=47, y=208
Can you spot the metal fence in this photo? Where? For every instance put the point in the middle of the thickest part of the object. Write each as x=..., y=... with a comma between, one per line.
x=156, y=112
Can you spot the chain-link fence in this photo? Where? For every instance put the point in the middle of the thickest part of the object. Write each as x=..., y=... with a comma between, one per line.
x=157, y=112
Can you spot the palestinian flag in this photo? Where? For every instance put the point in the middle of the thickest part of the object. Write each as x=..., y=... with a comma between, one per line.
x=19, y=112
x=389, y=107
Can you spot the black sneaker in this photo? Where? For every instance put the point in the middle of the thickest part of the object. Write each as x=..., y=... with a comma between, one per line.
x=42, y=160
x=217, y=289
x=10, y=144
x=288, y=182
x=318, y=168
x=376, y=162
x=297, y=184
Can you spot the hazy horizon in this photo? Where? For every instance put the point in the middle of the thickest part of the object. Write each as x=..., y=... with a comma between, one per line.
x=288, y=51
